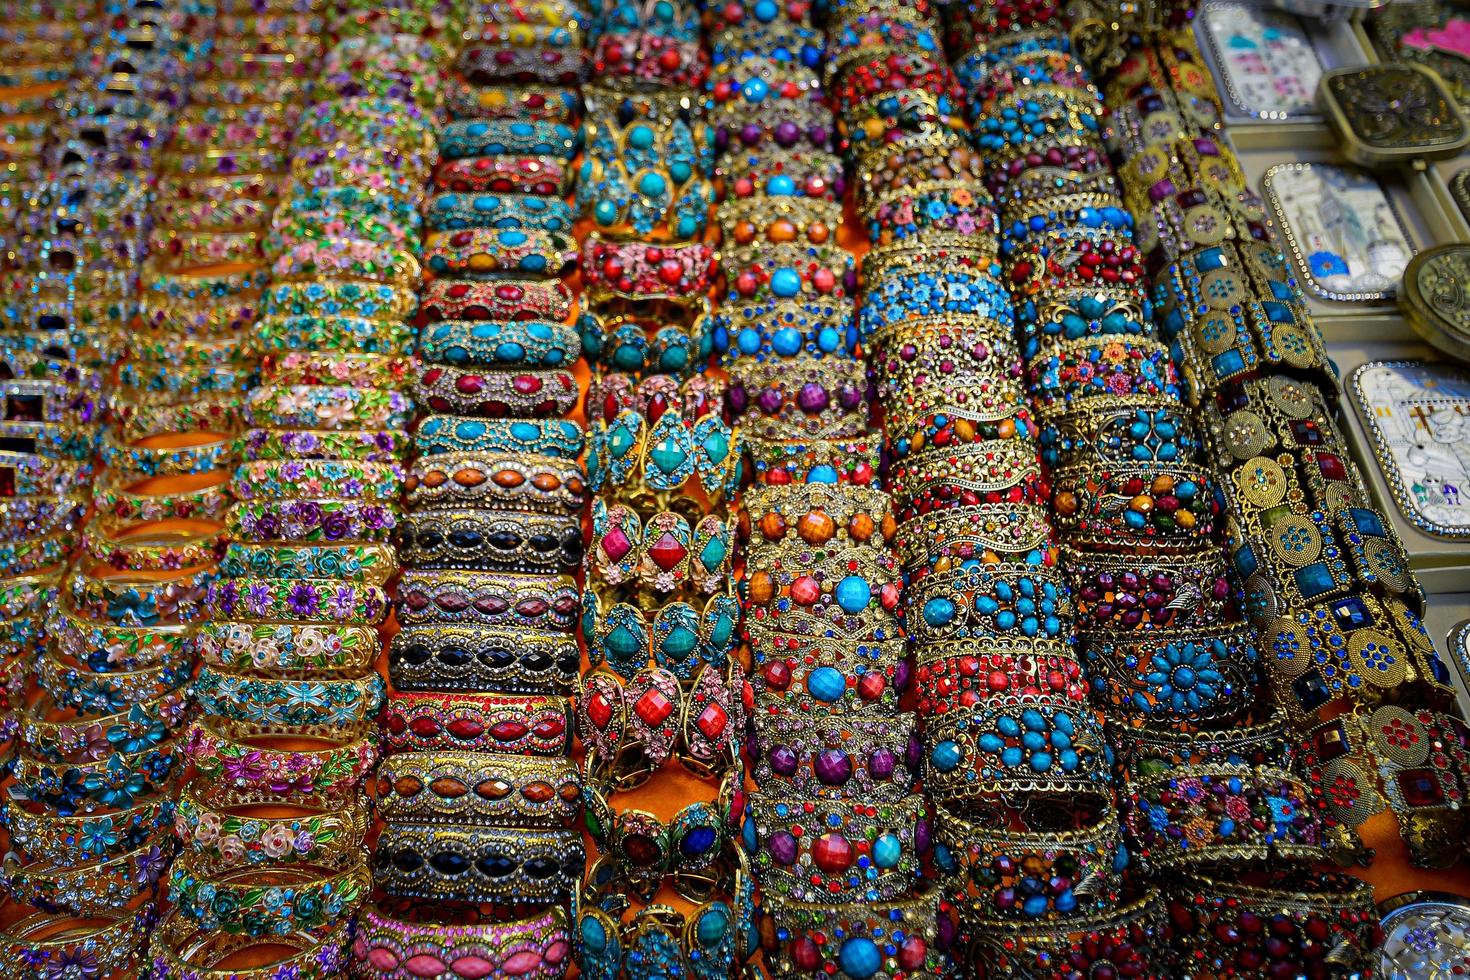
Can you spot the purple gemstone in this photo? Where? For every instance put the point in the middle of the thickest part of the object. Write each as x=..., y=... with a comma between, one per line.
x=850, y=280
x=913, y=752
x=722, y=139
x=737, y=399
x=769, y=401
x=839, y=186
x=783, y=848
x=811, y=399
x=783, y=760
x=901, y=675
x=833, y=767
x=880, y=764
x=945, y=938
x=921, y=836
x=750, y=134
x=788, y=133
x=849, y=397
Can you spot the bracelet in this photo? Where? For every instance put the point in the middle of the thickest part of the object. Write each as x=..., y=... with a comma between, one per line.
x=678, y=274
x=106, y=646
x=477, y=658
x=514, y=344
x=73, y=840
x=265, y=600
x=834, y=850
x=883, y=940
x=287, y=646
x=549, y=602
x=336, y=297
x=497, y=137
x=282, y=332
x=846, y=462
x=351, y=368
x=153, y=548
x=107, y=885
x=540, y=176
x=487, y=252
x=112, y=942
x=454, y=212
x=238, y=766
x=210, y=452
x=489, y=64
x=217, y=836
x=656, y=462
x=1006, y=599
x=1173, y=674
x=785, y=329
x=837, y=758
x=561, y=438
x=825, y=675
x=662, y=554
x=1016, y=744
x=822, y=517
x=477, y=788
x=82, y=689
x=1071, y=318
x=638, y=725
x=380, y=446
x=529, y=865
x=675, y=636
x=502, y=299
x=640, y=851
x=1127, y=938
x=139, y=599
x=820, y=399
x=944, y=541
x=649, y=58
x=665, y=147
x=308, y=521
x=496, y=394
x=1033, y=875
x=957, y=285
x=783, y=592
x=478, y=539
x=58, y=731
x=1098, y=367
x=275, y=479
x=510, y=480
x=98, y=786
x=26, y=517
x=33, y=475
x=1190, y=591
x=316, y=703
x=369, y=564
x=991, y=472
x=390, y=934
x=1309, y=916
x=365, y=121
x=537, y=725
x=327, y=407
x=255, y=902
x=180, y=950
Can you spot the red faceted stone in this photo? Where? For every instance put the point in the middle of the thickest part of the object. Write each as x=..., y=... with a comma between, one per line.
x=615, y=544
x=711, y=721
x=777, y=674
x=667, y=552
x=641, y=849
x=832, y=853
x=599, y=710
x=805, y=591
x=872, y=686
x=912, y=953
x=653, y=707
x=1420, y=787
x=805, y=955
x=424, y=726
x=509, y=731
x=465, y=728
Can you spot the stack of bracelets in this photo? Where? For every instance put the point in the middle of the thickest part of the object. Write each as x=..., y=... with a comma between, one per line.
x=1359, y=690
x=662, y=711
x=287, y=691
x=835, y=831
x=89, y=813
x=476, y=790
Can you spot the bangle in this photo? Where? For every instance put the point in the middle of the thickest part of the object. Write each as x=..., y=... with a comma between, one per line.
x=108, y=885
x=28, y=517
x=676, y=274
x=496, y=137
x=238, y=765
x=661, y=555
x=964, y=285
x=370, y=564
x=51, y=439
x=513, y=344
x=138, y=599
x=641, y=851
x=274, y=479
x=1183, y=592
x=370, y=446
x=502, y=299
x=218, y=836
x=477, y=788
x=265, y=600
x=211, y=451
x=366, y=121
x=116, y=503
x=390, y=934
x=309, y=521
x=74, y=840
x=550, y=602
x=647, y=58
x=540, y=866
x=818, y=399
x=85, y=690
x=992, y=472
x=287, y=646
x=487, y=252
x=179, y=251
x=327, y=407
x=496, y=394
x=181, y=950
x=640, y=343
x=676, y=636
x=254, y=902
x=561, y=438
x=479, y=539
x=511, y=481
x=825, y=675
x=638, y=725
x=995, y=748
x=33, y=554
x=1193, y=674
x=846, y=462
x=658, y=462
x=313, y=703
x=819, y=516
x=151, y=548
x=105, y=646
x=542, y=176
x=1073, y=372
x=783, y=593
x=835, y=850
x=829, y=758
x=1308, y=915
x=327, y=367
x=454, y=212
x=213, y=413
x=537, y=725
x=289, y=332
x=59, y=732
x=33, y=475
x=883, y=940
x=335, y=297
x=98, y=786
x=549, y=103
x=1127, y=938
x=776, y=329
x=490, y=64
x=959, y=674
x=111, y=942
x=1010, y=599
x=944, y=541
x=481, y=658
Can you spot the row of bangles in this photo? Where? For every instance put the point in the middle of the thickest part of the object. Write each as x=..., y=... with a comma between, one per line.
x=102, y=580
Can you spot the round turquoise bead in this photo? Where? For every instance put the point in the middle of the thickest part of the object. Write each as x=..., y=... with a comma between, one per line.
x=594, y=936
x=640, y=137
x=854, y=594
x=785, y=282
x=859, y=958
x=652, y=184
x=606, y=212
x=946, y=756
x=826, y=684
x=887, y=850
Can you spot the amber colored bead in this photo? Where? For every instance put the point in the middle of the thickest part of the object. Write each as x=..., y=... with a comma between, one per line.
x=1162, y=484
x=493, y=789
x=860, y=527
x=1141, y=503
x=781, y=230
x=408, y=786
x=760, y=588
x=1184, y=518
x=818, y=232
x=890, y=527
x=816, y=527
x=509, y=479
x=434, y=478
x=449, y=788
x=546, y=482
x=537, y=792
x=744, y=232
x=773, y=527
x=1065, y=502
